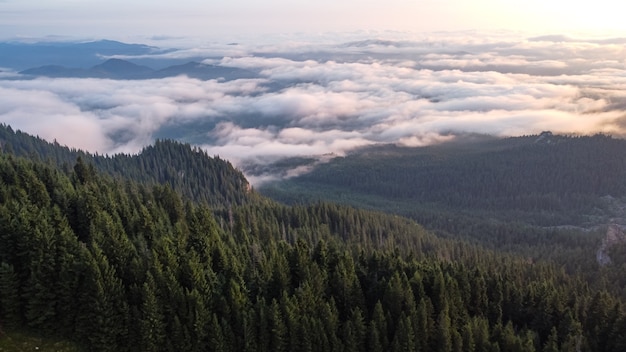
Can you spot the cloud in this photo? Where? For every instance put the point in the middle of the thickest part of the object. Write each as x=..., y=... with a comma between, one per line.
x=42, y=113
x=320, y=99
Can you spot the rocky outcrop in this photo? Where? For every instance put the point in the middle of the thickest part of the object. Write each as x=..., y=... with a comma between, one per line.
x=614, y=235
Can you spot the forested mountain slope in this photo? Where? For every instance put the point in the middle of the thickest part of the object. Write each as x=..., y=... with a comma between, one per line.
x=114, y=263
x=189, y=171
x=120, y=266
x=542, y=196
x=544, y=180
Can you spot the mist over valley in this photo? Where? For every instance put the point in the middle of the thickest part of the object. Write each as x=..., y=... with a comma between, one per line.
x=257, y=103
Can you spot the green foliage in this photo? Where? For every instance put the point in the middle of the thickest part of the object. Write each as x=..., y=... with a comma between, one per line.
x=546, y=198
x=118, y=265
x=188, y=171
x=9, y=296
x=547, y=182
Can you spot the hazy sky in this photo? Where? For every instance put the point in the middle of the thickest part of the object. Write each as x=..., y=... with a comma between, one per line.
x=119, y=19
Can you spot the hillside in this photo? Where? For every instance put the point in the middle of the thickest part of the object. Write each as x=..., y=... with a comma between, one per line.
x=545, y=197
x=543, y=180
x=189, y=171
x=114, y=263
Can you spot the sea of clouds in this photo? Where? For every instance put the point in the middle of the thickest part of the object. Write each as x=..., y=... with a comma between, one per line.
x=331, y=96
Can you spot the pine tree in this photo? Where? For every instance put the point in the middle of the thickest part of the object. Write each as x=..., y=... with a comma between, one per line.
x=152, y=324
x=39, y=292
x=380, y=322
x=552, y=344
x=403, y=340
x=443, y=334
x=373, y=341
x=468, y=338
x=424, y=325
x=102, y=316
x=217, y=340
x=358, y=329
x=84, y=172
x=278, y=330
x=10, y=308
x=198, y=316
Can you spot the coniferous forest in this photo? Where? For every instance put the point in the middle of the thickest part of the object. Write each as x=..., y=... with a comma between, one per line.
x=171, y=250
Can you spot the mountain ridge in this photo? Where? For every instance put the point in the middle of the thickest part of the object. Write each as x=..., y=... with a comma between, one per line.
x=189, y=170
x=123, y=69
x=20, y=56
x=544, y=175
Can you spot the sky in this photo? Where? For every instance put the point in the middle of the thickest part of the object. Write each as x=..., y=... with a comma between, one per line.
x=331, y=76
x=119, y=19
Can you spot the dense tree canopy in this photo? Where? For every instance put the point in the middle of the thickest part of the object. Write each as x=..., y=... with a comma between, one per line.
x=117, y=264
x=188, y=171
x=543, y=180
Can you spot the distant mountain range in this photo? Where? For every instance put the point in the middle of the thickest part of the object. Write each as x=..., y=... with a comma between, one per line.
x=97, y=60
x=122, y=69
x=21, y=56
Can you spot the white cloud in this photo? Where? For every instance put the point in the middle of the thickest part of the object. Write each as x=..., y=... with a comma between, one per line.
x=43, y=114
x=314, y=102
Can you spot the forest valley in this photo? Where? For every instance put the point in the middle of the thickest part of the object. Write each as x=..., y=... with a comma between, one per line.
x=172, y=250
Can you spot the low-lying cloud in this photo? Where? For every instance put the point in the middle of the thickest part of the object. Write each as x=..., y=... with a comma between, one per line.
x=315, y=100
